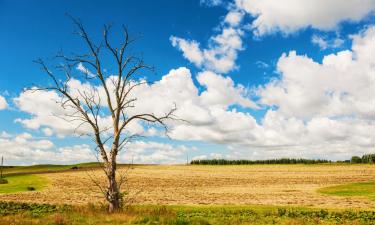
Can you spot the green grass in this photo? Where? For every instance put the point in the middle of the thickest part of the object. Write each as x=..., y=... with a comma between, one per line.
x=20, y=183
x=22, y=213
x=363, y=189
x=45, y=168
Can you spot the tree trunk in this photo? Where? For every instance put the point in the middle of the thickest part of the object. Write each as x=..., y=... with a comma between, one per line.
x=113, y=194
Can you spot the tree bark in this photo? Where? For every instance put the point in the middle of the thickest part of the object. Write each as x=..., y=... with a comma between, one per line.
x=113, y=194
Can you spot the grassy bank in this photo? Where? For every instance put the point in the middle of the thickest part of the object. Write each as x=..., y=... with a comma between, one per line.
x=20, y=183
x=45, y=168
x=362, y=189
x=18, y=213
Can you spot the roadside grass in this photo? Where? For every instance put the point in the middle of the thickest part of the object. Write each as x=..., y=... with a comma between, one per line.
x=20, y=183
x=362, y=189
x=23, y=213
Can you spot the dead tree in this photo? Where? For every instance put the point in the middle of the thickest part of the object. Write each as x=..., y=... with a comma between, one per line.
x=88, y=106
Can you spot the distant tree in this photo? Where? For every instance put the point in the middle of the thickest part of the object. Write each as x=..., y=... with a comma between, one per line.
x=87, y=106
x=250, y=162
x=356, y=159
x=368, y=158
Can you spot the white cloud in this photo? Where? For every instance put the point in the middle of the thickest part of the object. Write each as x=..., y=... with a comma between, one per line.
x=321, y=109
x=211, y=2
x=221, y=91
x=222, y=50
x=325, y=43
x=3, y=103
x=289, y=16
x=262, y=64
x=190, y=49
x=154, y=152
x=25, y=147
x=5, y=134
x=318, y=110
x=84, y=70
x=320, y=41
x=29, y=150
x=342, y=85
x=198, y=109
x=47, y=131
x=233, y=18
x=45, y=110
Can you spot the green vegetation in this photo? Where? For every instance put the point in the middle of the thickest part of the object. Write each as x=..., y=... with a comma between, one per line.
x=368, y=158
x=22, y=213
x=47, y=168
x=27, y=182
x=3, y=181
x=364, y=189
x=250, y=162
x=356, y=159
x=13, y=208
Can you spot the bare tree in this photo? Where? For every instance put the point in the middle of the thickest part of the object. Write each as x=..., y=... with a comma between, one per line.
x=86, y=107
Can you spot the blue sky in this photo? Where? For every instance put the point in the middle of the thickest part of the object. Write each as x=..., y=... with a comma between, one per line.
x=263, y=67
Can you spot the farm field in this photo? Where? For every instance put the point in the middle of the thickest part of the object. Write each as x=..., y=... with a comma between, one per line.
x=272, y=185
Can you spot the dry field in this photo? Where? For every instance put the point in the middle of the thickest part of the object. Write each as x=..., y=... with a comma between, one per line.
x=254, y=184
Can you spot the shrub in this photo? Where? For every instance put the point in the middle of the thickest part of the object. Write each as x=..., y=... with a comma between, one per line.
x=356, y=159
x=8, y=208
x=3, y=181
x=29, y=188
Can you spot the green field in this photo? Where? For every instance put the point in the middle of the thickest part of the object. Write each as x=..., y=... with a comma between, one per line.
x=363, y=189
x=46, y=168
x=22, y=213
x=20, y=183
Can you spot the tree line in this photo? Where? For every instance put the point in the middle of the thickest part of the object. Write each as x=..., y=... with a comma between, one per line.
x=248, y=162
x=367, y=158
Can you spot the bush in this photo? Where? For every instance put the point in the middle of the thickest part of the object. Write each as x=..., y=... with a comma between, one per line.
x=356, y=159
x=3, y=181
x=29, y=188
x=9, y=208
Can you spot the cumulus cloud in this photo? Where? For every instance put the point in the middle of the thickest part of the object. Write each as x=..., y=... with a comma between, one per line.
x=221, y=52
x=292, y=15
x=326, y=108
x=45, y=111
x=24, y=147
x=342, y=85
x=28, y=149
x=315, y=109
x=158, y=98
x=154, y=153
x=3, y=103
x=221, y=91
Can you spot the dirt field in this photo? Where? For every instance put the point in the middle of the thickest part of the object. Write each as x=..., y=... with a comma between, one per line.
x=255, y=184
